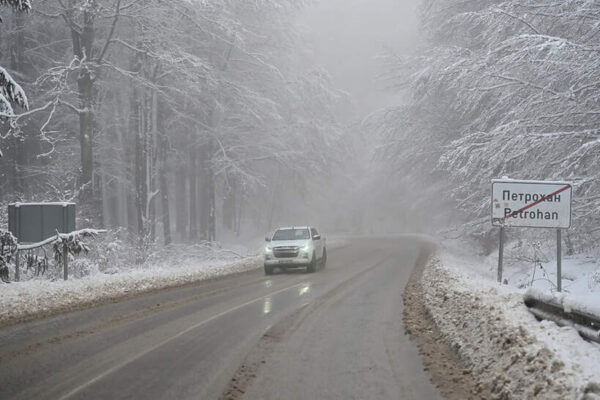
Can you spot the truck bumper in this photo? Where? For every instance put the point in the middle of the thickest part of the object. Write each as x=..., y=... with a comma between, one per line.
x=287, y=262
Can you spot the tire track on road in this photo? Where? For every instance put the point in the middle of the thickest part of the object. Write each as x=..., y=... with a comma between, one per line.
x=259, y=355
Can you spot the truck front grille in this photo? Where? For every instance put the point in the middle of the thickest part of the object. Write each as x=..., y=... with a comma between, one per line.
x=285, y=252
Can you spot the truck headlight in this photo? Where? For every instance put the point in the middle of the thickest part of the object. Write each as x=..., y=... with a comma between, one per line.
x=304, y=250
x=268, y=252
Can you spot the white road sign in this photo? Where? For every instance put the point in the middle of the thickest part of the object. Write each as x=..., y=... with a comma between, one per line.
x=535, y=204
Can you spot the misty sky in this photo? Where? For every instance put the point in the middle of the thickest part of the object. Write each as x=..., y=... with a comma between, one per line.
x=348, y=35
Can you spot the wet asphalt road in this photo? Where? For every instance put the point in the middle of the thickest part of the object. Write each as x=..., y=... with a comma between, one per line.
x=187, y=343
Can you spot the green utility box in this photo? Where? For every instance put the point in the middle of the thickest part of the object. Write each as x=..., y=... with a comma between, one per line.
x=35, y=222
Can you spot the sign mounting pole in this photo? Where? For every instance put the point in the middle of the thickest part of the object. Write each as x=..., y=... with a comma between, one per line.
x=17, y=266
x=558, y=261
x=500, y=254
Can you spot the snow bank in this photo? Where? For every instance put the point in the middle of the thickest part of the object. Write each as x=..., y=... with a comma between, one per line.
x=535, y=270
x=507, y=349
x=38, y=297
x=568, y=302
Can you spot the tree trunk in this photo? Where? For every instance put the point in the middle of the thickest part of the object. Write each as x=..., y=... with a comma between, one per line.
x=213, y=123
x=140, y=171
x=193, y=197
x=17, y=45
x=18, y=160
x=240, y=214
x=180, y=202
x=16, y=48
x=138, y=130
x=122, y=172
x=212, y=215
x=163, y=149
x=230, y=204
x=204, y=193
x=152, y=158
x=111, y=172
x=130, y=161
x=164, y=190
x=83, y=43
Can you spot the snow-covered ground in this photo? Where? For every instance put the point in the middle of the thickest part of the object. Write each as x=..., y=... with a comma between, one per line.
x=493, y=332
x=37, y=297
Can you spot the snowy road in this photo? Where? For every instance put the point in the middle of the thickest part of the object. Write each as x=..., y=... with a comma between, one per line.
x=333, y=334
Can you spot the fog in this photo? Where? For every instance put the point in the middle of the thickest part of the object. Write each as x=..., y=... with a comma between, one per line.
x=219, y=121
x=249, y=116
x=348, y=38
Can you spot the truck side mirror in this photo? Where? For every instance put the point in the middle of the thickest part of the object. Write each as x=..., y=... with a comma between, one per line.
x=316, y=237
x=267, y=239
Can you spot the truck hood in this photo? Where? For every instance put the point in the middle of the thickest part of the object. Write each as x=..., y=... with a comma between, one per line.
x=297, y=243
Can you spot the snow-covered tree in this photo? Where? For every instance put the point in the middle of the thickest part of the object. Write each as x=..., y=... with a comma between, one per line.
x=177, y=120
x=10, y=91
x=501, y=88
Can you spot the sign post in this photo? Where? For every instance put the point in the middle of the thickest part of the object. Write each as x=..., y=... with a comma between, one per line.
x=532, y=204
x=558, y=261
x=17, y=266
x=500, y=254
x=65, y=261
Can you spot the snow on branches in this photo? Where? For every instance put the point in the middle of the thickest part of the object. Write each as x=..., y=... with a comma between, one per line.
x=74, y=241
x=19, y=5
x=503, y=88
x=10, y=92
x=8, y=248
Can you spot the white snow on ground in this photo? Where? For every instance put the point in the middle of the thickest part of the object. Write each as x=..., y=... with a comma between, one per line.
x=19, y=299
x=505, y=346
x=40, y=296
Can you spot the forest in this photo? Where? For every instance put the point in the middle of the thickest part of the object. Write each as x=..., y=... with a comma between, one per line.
x=190, y=122
x=498, y=88
x=167, y=121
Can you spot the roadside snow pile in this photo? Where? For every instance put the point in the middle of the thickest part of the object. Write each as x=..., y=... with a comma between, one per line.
x=92, y=284
x=533, y=264
x=38, y=297
x=568, y=302
x=531, y=267
x=507, y=349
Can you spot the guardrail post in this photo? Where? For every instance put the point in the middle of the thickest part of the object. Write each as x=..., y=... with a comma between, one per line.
x=65, y=261
x=17, y=266
x=558, y=260
x=500, y=254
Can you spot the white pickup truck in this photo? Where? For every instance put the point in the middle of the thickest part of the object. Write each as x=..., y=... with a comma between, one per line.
x=296, y=246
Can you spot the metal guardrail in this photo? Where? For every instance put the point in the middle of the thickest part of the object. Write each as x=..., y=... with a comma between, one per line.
x=586, y=324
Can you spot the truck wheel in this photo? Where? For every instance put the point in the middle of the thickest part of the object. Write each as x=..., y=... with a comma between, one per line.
x=312, y=267
x=268, y=270
x=324, y=258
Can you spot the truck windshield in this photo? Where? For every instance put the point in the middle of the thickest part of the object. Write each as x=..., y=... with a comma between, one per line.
x=291, y=234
